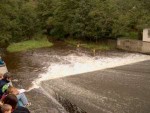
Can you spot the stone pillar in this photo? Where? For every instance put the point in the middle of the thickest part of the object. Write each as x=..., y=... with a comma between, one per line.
x=146, y=35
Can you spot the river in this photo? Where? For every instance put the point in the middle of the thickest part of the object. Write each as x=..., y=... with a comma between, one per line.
x=31, y=68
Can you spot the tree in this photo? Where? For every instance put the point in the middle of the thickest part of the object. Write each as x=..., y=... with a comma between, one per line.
x=86, y=19
x=132, y=16
x=18, y=21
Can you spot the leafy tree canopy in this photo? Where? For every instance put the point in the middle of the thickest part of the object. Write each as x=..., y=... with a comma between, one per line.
x=84, y=19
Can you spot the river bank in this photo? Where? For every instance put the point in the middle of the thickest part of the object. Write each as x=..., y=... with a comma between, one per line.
x=103, y=45
x=29, y=45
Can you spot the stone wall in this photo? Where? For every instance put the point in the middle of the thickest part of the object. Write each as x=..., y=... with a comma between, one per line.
x=134, y=45
x=112, y=42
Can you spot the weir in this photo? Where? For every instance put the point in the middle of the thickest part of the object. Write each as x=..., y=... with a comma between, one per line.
x=78, y=91
x=75, y=82
x=73, y=64
x=63, y=105
x=116, y=90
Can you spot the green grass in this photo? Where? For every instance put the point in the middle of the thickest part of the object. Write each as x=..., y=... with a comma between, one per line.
x=90, y=45
x=131, y=35
x=28, y=45
x=96, y=46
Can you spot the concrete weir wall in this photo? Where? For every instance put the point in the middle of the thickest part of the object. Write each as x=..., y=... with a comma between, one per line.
x=134, y=45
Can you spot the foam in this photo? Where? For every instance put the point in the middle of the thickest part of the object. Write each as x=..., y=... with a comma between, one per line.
x=77, y=64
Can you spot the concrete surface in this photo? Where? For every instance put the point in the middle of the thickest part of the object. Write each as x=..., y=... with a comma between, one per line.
x=3, y=69
x=134, y=45
x=124, y=89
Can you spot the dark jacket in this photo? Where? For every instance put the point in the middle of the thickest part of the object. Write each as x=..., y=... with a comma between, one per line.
x=2, y=83
x=21, y=109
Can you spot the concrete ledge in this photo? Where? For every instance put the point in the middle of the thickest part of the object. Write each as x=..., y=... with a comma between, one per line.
x=123, y=89
x=3, y=69
x=134, y=45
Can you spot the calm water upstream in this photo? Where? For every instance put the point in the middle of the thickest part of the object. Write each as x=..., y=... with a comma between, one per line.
x=36, y=66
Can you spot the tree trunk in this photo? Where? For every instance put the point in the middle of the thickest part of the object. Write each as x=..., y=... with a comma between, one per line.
x=140, y=36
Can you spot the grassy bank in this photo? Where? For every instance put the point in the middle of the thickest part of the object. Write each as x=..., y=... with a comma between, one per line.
x=91, y=45
x=27, y=45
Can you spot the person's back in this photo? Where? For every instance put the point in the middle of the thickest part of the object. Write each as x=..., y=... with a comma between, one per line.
x=2, y=83
x=5, y=82
x=20, y=109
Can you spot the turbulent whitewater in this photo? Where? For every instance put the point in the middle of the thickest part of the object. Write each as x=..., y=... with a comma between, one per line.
x=73, y=64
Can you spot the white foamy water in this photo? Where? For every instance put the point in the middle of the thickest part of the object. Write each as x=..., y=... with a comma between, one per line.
x=74, y=64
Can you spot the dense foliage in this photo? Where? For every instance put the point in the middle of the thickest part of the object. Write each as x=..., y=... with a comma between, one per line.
x=18, y=21
x=84, y=19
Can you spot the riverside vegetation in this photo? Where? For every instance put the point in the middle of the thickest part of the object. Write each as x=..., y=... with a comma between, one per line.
x=29, y=44
x=88, y=20
x=91, y=45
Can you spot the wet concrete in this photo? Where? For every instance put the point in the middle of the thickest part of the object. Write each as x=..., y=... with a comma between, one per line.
x=124, y=89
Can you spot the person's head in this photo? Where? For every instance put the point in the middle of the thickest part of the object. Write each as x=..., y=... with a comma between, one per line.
x=11, y=99
x=12, y=90
x=1, y=76
x=6, y=108
x=7, y=76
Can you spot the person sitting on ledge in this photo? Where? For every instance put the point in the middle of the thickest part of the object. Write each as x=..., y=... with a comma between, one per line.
x=5, y=82
x=12, y=100
x=6, y=88
x=22, y=99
